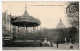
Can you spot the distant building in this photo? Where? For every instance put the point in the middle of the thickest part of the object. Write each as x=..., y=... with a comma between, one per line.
x=60, y=25
x=5, y=21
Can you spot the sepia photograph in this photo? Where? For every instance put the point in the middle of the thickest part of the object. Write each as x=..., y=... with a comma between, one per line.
x=40, y=25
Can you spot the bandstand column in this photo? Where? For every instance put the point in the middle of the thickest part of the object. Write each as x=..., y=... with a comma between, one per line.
x=15, y=31
x=37, y=31
x=26, y=32
x=40, y=33
x=33, y=32
x=18, y=31
x=37, y=28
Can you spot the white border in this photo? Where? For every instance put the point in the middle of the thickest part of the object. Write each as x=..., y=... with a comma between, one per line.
x=40, y=0
x=1, y=26
x=30, y=0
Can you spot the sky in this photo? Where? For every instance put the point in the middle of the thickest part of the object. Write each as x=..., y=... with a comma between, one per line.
x=49, y=13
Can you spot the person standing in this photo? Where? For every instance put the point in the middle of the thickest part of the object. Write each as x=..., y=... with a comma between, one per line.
x=40, y=44
x=51, y=43
x=65, y=41
x=57, y=43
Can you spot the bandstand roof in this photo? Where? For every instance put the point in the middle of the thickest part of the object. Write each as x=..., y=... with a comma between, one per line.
x=26, y=20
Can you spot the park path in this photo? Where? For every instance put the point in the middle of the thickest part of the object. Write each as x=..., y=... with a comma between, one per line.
x=60, y=47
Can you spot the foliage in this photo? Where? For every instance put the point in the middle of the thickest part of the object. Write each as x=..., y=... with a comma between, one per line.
x=72, y=11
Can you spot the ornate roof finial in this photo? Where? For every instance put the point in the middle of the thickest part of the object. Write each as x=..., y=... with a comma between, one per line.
x=25, y=12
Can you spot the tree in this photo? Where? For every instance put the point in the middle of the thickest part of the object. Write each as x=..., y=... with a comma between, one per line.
x=72, y=11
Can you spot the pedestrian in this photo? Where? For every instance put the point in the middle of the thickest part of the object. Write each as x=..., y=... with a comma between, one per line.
x=57, y=43
x=51, y=43
x=40, y=44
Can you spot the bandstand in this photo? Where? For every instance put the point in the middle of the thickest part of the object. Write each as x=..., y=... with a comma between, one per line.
x=26, y=21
